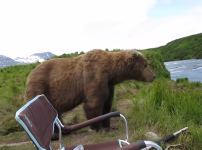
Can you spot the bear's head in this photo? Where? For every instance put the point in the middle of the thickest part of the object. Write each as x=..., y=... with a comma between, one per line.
x=138, y=67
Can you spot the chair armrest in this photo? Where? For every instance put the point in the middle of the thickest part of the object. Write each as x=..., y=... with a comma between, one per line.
x=139, y=145
x=92, y=121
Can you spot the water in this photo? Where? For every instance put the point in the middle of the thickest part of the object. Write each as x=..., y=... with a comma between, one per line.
x=191, y=69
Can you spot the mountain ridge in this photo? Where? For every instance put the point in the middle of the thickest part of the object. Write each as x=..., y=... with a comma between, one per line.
x=36, y=57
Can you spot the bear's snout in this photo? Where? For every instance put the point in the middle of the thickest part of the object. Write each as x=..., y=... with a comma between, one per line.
x=154, y=77
x=149, y=75
x=151, y=78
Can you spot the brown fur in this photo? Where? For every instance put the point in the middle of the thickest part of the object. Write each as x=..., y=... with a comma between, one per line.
x=88, y=79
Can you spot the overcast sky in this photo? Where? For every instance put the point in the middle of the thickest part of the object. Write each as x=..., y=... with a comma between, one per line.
x=66, y=26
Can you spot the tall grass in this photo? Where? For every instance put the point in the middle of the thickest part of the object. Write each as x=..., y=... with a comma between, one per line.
x=166, y=109
x=12, y=86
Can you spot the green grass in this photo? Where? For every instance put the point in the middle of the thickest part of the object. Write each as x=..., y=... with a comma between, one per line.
x=169, y=108
x=12, y=86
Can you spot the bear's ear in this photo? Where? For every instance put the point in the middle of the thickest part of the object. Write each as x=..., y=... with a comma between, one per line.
x=132, y=54
x=137, y=55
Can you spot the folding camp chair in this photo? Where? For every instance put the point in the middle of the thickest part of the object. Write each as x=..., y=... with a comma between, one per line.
x=38, y=118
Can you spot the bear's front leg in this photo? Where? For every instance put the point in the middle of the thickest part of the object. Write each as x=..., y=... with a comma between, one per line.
x=107, y=107
x=93, y=108
x=96, y=92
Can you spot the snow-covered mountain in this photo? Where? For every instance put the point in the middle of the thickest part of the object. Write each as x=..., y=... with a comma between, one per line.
x=37, y=57
x=6, y=61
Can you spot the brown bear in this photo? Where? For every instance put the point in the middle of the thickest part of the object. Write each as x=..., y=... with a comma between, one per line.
x=89, y=79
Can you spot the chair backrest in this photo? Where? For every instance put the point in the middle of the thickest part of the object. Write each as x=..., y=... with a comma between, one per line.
x=38, y=118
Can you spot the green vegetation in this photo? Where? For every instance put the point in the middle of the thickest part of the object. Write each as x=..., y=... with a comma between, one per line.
x=168, y=106
x=12, y=86
x=69, y=55
x=156, y=63
x=181, y=49
x=163, y=106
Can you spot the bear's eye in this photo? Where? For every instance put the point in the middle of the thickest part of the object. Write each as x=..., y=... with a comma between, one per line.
x=145, y=65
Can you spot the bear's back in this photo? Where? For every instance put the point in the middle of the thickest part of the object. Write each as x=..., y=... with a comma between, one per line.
x=53, y=77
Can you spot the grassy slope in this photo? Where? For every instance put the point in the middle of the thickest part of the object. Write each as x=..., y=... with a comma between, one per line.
x=12, y=86
x=181, y=49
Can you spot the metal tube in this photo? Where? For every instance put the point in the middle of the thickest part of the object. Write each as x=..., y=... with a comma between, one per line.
x=125, y=142
x=152, y=144
x=60, y=133
x=176, y=133
x=60, y=123
x=126, y=127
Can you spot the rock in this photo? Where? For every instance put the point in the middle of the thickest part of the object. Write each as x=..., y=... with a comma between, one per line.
x=151, y=135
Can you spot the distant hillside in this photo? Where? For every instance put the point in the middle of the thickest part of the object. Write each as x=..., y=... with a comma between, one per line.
x=181, y=49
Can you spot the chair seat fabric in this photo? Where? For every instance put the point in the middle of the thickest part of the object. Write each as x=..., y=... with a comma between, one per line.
x=110, y=145
x=38, y=117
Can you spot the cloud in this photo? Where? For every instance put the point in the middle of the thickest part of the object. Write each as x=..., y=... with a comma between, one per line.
x=167, y=1
x=67, y=26
x=154, y=33
x=29, y=27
